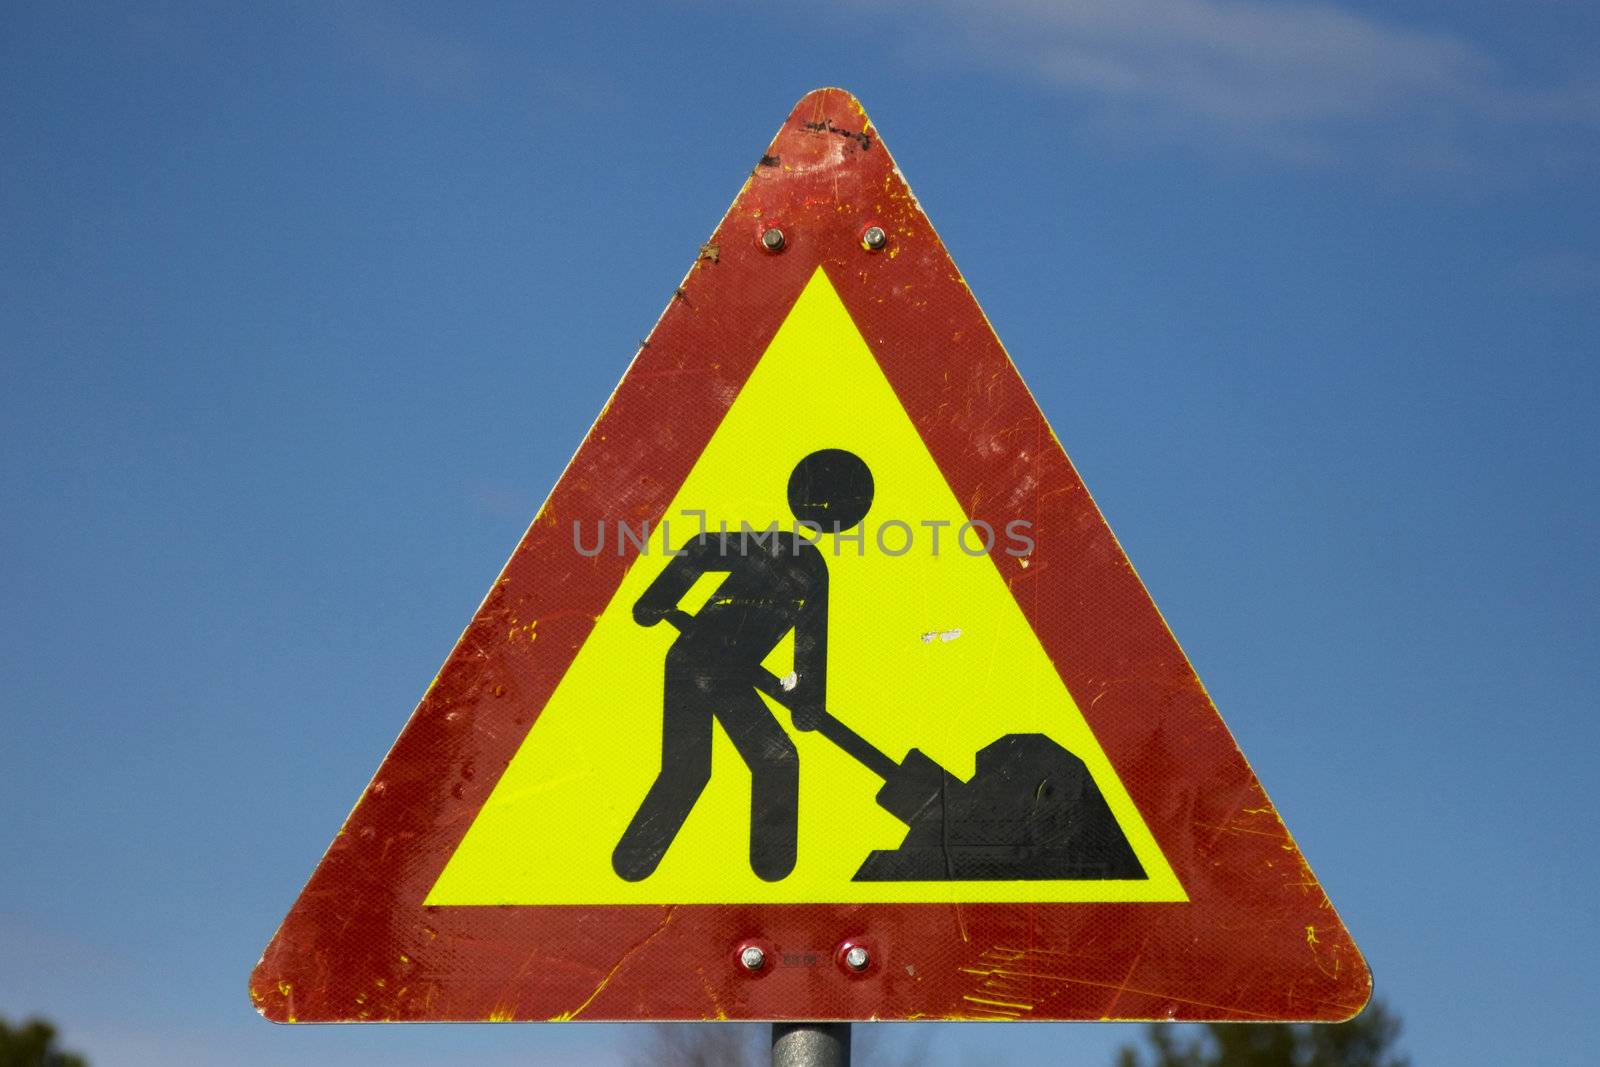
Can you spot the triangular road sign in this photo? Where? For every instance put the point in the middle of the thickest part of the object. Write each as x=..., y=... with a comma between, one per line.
x=818, y=645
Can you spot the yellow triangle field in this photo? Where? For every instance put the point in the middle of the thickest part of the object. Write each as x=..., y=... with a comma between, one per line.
x=927, y=649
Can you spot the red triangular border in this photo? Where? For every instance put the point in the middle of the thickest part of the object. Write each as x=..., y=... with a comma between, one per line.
x=1258, y=939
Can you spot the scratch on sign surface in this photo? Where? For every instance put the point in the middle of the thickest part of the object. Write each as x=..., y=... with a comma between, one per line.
x=666, y=920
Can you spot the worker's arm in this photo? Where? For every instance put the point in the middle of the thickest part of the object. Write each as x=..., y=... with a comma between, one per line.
x=811, y=654
x=661, y=598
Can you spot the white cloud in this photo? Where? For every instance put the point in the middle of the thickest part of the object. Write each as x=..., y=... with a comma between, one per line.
x=1238, y=64
x=1304, y=80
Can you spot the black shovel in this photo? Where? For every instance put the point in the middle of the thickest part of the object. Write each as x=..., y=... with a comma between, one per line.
x=1031, y=811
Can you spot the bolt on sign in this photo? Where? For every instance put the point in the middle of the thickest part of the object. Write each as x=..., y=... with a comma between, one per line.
x=818, y=689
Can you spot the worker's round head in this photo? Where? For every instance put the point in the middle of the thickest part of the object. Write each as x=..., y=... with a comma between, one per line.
x=831, y=489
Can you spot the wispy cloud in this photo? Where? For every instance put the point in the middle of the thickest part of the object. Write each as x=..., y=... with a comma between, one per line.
x=1299, y=79
x=430, y=60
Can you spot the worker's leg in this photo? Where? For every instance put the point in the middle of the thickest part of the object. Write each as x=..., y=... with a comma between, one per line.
x=774, y=780
x=685, y=770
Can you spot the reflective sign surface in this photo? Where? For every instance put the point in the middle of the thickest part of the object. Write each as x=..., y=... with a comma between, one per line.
x=819, y=644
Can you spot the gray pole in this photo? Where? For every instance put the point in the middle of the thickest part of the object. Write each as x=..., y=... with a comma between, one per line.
x=810, y=1045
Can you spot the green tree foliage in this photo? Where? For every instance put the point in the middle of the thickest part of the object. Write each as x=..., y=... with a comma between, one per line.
x=1365, y=1041
x=33, y=1044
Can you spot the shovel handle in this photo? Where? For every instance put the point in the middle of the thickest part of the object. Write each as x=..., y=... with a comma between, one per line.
x=854, y=745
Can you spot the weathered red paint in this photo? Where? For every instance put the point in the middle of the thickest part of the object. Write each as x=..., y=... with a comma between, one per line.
x=1258, y=938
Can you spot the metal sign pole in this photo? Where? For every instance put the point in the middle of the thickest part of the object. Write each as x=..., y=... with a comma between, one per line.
x=810, y=1045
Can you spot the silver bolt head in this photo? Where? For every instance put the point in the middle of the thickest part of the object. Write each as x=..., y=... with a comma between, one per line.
x=752, y=958
x=856, y=958
x=874, y=237
x=772, y=239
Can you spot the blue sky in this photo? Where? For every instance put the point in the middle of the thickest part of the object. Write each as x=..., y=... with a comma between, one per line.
x=303, y=311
